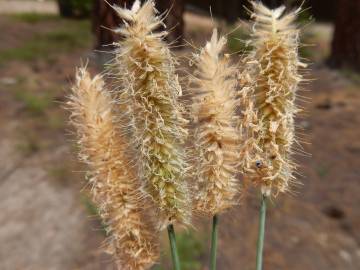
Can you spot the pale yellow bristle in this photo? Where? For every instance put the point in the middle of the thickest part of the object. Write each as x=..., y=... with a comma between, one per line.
x=145, y=69
x=115, y=188
x=216, y=139
x=269, y=98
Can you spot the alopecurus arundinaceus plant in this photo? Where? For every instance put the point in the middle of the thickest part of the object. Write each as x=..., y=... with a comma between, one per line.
x=270, y=82
x=115, y=188
x=216, y=138
x=273, y=66
x=150, y=89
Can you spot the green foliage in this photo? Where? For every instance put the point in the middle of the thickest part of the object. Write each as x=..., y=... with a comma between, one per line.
x=191, y=248
x=236, y=41
x=75, y=8
x=69, y=36
x=33, y=103
x=305, y=17
x=34, y=17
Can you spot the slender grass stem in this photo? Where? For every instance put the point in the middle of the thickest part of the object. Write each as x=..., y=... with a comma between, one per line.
x=261, y=237
x=174, y=252
x=214, y=237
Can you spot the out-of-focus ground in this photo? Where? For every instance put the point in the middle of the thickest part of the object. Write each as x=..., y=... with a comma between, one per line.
x=47, y=223
x=37, y=6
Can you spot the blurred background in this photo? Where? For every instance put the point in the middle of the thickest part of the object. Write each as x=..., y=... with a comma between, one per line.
x=47, y=223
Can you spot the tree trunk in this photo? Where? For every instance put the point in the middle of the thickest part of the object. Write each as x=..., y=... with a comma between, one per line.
x=174, y=20
x=346, y=40
x=105, y=18
x=323, y=10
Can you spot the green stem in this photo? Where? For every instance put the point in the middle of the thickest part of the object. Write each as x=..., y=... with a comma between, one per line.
x=214, y=237
x=260, y=242
x=174, y=252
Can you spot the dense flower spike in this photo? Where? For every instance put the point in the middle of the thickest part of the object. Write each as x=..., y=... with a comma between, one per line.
x=150, y=92
x=216, y=137
x=115, y=187
x=273, y=64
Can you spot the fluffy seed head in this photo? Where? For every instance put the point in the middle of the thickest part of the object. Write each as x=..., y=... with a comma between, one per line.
x=115, y=187
x=274, y=64
x=145, y=69
x=216, y=137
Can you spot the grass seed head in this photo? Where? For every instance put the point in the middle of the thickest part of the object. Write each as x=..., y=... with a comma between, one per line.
x=216, y=137
x=269, y=100
x=145, y=69
x=115, y=187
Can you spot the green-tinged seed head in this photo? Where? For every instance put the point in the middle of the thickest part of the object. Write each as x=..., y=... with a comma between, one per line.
x=145, y=69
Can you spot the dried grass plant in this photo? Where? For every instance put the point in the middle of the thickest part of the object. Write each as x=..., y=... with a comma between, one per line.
x=145, y=70
x=115, y=187
x=270, y=84
x=270, y=81
x=216, y=138
x=133, y=137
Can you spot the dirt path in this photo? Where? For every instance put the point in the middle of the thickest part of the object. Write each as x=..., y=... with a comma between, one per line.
x=41, y=223
x=18, y=6
x=44, y=223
